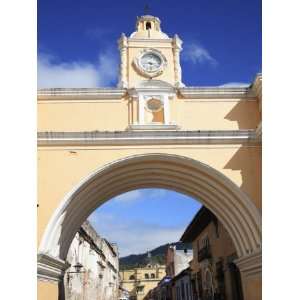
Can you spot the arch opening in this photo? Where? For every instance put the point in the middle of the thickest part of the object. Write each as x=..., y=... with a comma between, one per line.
x=184, y=175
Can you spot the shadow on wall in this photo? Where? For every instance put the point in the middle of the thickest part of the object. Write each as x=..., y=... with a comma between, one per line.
x=61, y=290
x=247, y=160
x=246, y=114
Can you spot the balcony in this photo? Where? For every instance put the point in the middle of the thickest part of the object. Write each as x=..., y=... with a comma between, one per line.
x=204, y=253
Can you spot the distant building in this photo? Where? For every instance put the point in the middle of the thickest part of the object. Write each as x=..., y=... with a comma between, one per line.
x=177, y=260
x=162, y=291
x=94, y=266
x=139, y=281
x=214, y=274
x=182, y=285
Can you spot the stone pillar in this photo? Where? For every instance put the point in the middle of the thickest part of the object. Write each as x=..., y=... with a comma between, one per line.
x=141, y=110
x=123, y=83
x=50, y=274
x=250, y=267
x=176, y=52
x=166, y=109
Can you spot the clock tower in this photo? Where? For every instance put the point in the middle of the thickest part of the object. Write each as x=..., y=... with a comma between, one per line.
x=150, y=70
x=149, y=54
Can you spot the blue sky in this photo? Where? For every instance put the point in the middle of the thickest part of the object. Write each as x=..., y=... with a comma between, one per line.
x=77, y=39
x=143, y=219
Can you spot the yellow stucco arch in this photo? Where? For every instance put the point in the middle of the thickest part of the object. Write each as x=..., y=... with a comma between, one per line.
x=185, y=175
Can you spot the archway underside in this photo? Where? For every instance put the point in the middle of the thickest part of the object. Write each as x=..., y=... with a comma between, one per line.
x=232, y=207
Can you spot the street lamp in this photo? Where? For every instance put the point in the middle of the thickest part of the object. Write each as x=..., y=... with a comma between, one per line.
x=77, y=267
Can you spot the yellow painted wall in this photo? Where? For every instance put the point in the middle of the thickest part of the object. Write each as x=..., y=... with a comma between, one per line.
x=139, y=273
x=215, y=114
x=47, y=290
x=60, y=169
x=112, y=115
x=83, y=115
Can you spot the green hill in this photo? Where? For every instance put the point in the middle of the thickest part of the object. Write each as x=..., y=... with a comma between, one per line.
x=157, y=256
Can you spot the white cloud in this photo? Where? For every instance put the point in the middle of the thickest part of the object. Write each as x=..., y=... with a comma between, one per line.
x=197, y=54
x=235, y=84
x=134, y=236
x=129, y=197
x=141, y=194
x=53, y=74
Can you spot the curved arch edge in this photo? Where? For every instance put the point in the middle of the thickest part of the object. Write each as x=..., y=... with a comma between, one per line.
x=51, y=238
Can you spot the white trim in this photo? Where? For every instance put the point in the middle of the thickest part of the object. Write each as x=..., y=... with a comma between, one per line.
x=118, y=93
x=89, y=93
x=152, y=127
x=216, y=92
x=165, y=98
x=50, y=268
x=141, y=109
x=63, y=101
x=146, y=135
x=149, y=40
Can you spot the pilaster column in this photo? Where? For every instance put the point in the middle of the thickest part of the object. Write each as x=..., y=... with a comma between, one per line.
x=50, y=268
x=123, y=61
x=141, y=110
x=250, y=268
x=166, y=109
x=176, y=52
x=50, y=273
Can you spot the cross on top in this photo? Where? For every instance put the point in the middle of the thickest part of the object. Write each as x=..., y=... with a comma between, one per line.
x=146, y=9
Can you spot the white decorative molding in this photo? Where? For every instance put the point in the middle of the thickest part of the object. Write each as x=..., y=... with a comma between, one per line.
x=149, y=127
x=50, y=268
x=81, y=94
x=256, y=86
x=177, y=42
x=216, y=92
x=145, y=135
x=123, y=77
x=250, y=265
x=150, y=40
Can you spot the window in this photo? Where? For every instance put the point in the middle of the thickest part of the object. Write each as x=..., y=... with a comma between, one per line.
x=205, y=242
x=131, y=277
x=148, y=25
x=140, y=289
x=187, y=290
x=152, y=275
x=154, y=111
x=146, y=276
x=178, y=293
x=182, y=290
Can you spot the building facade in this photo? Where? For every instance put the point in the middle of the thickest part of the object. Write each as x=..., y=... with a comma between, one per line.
x=139, y=281
x=177, y=260
x=149, y=131
x=213, y=271
x=182, y=286
x=94, y=267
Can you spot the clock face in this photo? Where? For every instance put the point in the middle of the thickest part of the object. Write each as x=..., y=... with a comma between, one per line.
x=151, y=62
